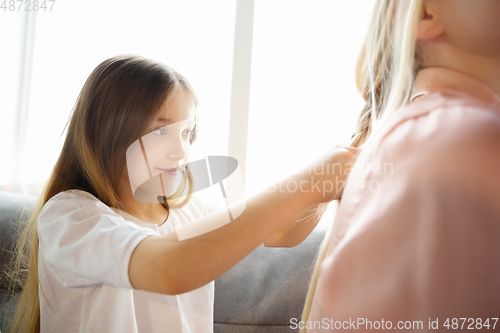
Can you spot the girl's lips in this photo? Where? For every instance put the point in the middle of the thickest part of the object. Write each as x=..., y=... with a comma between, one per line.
x=173, y=171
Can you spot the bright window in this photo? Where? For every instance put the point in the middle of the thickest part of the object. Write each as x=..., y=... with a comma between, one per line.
x=302, y=93
x=10, y=64
x=303, y=96
x=194, y=37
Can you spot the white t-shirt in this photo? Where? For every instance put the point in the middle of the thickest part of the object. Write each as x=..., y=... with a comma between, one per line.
x=84, y=253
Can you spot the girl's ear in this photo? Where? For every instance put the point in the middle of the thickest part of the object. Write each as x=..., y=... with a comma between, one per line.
x=429, y=25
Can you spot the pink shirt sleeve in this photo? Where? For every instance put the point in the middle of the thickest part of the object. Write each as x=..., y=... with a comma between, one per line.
x=422, y=239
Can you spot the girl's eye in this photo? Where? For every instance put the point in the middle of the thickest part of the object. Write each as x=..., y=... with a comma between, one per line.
x=187, y=133
x=160, y=131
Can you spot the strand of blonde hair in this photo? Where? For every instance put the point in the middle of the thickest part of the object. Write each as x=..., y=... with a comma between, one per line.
x=385, y=72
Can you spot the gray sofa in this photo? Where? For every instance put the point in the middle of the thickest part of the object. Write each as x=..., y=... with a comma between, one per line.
x=259, y=295
x=14, y=209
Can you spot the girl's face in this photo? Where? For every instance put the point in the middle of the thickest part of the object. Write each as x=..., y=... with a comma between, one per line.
x=155, y=161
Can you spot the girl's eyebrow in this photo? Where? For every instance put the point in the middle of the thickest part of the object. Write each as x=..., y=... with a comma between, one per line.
x=168, y=121
x=163, y=120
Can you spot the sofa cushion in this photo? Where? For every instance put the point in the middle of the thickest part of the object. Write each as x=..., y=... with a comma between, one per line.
x=266, y=290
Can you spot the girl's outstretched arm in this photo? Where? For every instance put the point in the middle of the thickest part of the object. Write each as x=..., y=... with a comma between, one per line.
x=163, y=264
x=297, y=230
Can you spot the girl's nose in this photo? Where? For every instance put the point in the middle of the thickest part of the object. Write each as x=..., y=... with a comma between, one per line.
x=178, y=148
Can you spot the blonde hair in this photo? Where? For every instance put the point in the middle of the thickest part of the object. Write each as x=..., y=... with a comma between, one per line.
x=116, y=106
x=385, y=71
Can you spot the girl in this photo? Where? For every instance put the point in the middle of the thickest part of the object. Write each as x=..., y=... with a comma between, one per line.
x=106, y=262
x=420, y=250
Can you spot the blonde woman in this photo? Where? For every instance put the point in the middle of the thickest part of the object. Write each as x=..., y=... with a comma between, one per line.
x=415, y=244
x=100, y=260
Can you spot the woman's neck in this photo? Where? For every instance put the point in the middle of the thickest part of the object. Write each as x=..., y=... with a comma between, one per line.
x=482, y=68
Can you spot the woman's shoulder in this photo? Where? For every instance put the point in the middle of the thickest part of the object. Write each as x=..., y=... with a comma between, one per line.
x=441, y=136
x=439, y=119
x=440, y=116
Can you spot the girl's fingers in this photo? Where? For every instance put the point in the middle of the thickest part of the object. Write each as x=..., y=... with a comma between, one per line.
x=352, y=150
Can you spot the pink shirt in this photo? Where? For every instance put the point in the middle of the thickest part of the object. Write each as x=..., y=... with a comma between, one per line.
x=418, y=232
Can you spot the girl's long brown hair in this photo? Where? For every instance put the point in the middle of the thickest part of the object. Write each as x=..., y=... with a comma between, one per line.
x=385, y=71
x=116, y=106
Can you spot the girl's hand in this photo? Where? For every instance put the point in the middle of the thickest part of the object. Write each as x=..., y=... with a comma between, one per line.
x=326, y=177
